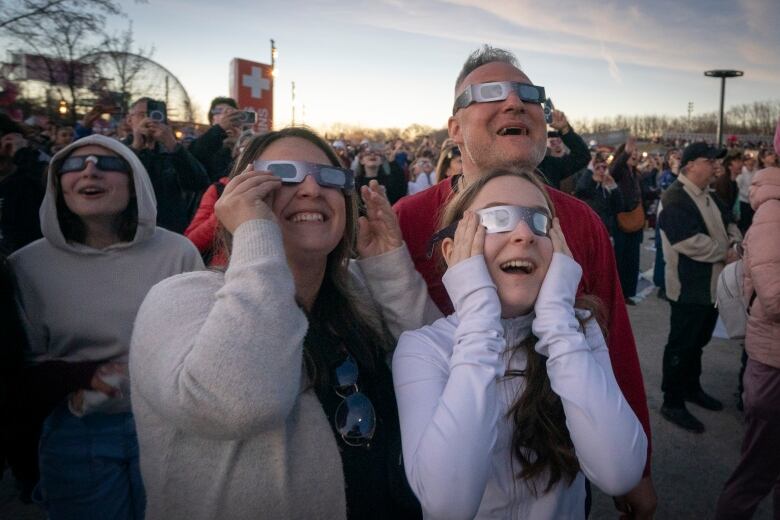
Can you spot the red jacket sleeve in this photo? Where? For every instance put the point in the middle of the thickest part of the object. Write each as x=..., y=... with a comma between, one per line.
x=589, y=243
x=203, y=227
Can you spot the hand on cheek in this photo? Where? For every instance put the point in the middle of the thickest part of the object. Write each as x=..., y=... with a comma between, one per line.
x=469, y=240
x=558, y=240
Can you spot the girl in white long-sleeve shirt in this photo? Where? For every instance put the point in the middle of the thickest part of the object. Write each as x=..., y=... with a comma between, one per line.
x=508, y=404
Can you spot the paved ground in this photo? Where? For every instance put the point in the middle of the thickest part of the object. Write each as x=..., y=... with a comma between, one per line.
x=689, y=470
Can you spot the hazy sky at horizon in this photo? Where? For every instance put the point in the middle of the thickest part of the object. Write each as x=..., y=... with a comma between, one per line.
x=391, y=63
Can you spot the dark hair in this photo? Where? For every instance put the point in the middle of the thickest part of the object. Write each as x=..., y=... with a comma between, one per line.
x=667, y=156
x=760, y=159
x=335, y=315
x=220, y=100
x=482, y=56
x=73, y=228
x=540, y=440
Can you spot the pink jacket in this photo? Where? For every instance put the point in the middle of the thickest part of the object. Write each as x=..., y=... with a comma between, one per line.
x=762, y=269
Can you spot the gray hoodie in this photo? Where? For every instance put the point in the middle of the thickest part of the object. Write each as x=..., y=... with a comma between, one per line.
x=78, y=303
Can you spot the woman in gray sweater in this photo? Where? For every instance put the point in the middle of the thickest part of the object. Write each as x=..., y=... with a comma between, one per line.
x=263, y=390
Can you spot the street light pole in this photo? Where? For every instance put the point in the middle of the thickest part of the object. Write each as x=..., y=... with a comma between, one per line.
x=722, y=74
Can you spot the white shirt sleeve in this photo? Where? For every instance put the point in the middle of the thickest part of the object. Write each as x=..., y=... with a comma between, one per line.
x=449, y=408
x=608, y=438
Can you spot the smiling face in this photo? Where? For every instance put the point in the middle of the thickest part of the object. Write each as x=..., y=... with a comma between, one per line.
x=517, y=260
x=500, y=134
x=94, y=194
x=312, y=218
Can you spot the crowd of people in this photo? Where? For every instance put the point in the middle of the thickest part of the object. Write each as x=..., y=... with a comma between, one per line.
x=245, y=324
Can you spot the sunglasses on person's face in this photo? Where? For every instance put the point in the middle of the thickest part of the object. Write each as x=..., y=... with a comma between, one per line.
x=355, y=418
x=295, y=172
x=498, y=91
x=105, y=163
x=500, y=219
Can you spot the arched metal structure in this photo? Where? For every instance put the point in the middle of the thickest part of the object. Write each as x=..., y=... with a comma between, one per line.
x=131, y=76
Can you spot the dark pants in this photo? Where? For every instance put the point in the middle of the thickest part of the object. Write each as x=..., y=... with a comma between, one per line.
x=758, y=471
x=627, y=256
x=691, y=328
x=659, y=275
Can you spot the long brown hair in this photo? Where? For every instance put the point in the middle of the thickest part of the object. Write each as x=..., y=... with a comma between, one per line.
x=537, y=413
x=335, y=315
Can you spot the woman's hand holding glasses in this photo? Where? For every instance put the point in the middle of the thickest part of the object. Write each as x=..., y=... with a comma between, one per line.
x=247, y=197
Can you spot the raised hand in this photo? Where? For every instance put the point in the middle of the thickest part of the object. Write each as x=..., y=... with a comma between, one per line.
x=558, y=240
x=469, y=240
x=247, y=197
x=378, y=231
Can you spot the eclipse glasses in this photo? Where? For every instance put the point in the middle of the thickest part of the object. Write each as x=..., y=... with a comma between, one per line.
x=295, y=172
x=103, y=163
x=500, y=219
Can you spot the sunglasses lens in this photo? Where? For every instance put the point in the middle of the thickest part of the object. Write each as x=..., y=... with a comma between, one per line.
x=333, y=177
x=540, y=221
x=355, y=419
x=115, y=164
x=347, y=373
x=283, y=171
x=490, y=91
x=72, y=164
x=528, y=93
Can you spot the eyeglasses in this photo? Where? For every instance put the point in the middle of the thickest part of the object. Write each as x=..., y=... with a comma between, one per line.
x=498, y=91
x=454, y=152
x=355, y=418
x=500, y=219
x=105, y=163
x=295, y=172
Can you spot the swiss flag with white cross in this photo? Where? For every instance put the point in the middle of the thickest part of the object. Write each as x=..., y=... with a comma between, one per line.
x=252, y=86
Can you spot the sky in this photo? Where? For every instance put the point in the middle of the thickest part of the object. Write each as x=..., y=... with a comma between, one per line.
x=392, y=63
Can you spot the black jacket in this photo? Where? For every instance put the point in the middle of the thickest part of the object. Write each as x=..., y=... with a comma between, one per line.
x=178, y=179
x=21, y=194
x=606, y=203
x=209, y=149
x=555, y=169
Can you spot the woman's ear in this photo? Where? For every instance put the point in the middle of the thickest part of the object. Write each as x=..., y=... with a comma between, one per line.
x=446, y=249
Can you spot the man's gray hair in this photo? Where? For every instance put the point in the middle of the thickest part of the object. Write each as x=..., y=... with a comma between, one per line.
x=482, y=56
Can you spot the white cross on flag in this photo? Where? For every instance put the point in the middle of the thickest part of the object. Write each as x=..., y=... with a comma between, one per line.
x=252, y=86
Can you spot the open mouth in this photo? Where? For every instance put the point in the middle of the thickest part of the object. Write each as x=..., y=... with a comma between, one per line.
x=307, y=217
x=91, y=191
x=518, y=267
x=513, y=130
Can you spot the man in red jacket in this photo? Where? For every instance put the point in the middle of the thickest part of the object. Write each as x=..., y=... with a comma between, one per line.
x=495, y=133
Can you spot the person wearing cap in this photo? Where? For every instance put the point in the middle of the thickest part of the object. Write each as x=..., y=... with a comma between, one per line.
x=558, y=165
x=697, y=233
x=511, y=133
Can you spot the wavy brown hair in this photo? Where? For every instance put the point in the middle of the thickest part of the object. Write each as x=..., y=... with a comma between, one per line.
x=540, y=440
x=335, y=316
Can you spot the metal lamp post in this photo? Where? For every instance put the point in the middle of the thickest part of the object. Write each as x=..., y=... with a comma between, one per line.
x=722, y=74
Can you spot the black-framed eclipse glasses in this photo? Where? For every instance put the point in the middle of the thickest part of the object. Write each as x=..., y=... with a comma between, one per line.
x=295, y=172
x=500, y=219
x=105, y=163
x=498, y=91
x=355, y=418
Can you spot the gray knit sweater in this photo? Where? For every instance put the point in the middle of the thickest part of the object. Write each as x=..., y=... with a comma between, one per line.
x=224, y=425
